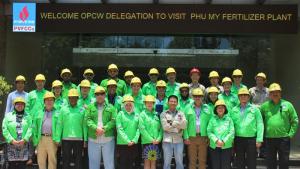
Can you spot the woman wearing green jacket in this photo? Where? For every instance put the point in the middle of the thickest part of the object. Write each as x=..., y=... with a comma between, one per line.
x=151, y=133
x=212, y=97
x=127, y=133
x=220, y=131
x=16, y=127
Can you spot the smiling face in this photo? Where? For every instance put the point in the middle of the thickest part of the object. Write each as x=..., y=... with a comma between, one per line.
x=89, y=76
x=260, y=81
x=19, y=106
x=171, y=77
x=40, y=84
x=149, y=105
x=113, y=73
x=135, y=88
x=244, y=98
x=237, y=79
x=275, y=96
x=73, y=100
x=112, y=89
x=100, y=97
x=213, y=96
x=57, y=90
x=227, y=86
x=172, y=102
x=220, y=110
x=49, y=103
x=20, y=85
x=129, y=106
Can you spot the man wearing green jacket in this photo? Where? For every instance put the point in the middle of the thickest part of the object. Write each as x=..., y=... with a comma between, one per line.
x=237, y=76
x=281, y=123
x=72, y=130
x=111, y=96
x=231, y=100
x=44, y=131
x=113, y=72
x=149, y=88
x=249, y=129
x=172, y=85
x=89, y=74
x=137, y=94
x=195, y=135
x=127, y=77
x=101, y=122
x=66, y=76
x=85, y=99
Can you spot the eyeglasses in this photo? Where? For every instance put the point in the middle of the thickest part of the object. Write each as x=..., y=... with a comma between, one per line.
x=100, y=94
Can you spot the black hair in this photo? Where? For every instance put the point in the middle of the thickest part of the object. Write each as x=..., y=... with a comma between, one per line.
x=173, y=96
x=215, y=110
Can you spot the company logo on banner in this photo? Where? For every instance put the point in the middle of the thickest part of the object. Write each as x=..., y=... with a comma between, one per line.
x=24, y=17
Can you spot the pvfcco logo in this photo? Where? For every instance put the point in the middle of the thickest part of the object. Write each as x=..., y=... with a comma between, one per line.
x=24, y=18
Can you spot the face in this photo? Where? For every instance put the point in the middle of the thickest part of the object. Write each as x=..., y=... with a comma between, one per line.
x=73, y=101
x=260, y=81
x=88, y=76
x=84, y=90
x=49, y=103
x=172, y=103
x=221, y=110
x=66, y=77
x=244, y=98
x=153, y=77
x=113, y=73
x=237, y=79
x=40, y=84
x=129, y=106
x=136, y=87
x=184, y=92
x=227, y=86
x=100, y=97
x=57, y=90
x=112, y=89
x=213, y=96
x=171, y=77
x=149, y=105
x=195, y=77
x=128, y=79
x=198, y=99
x=214, y=81
x=275, y=96
x=161, y=90
x=19, y=106
x=20, y=85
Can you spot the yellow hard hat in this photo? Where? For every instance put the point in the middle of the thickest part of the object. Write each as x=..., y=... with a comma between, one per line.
x=237, y=72
x=99, y=89
x=85, y=83
x=149, y=98
x=183, y=85
x=274, y=87
x=170, y=70
x=128, y=73
x=153, y=71
x=111, y=82
x=226, y=79
x=213, y=89
x=220, y=103
x=262, y=75
x=88, y=71
x=73, y=93
x=128, y=98
x=213, y=74
x=20, y=78
x=49, y=95
x=19, y=100
x=66, y=70
x=135, y=80
x=40, y=77
x=112, y=66
x=243, y=91
x=56, y=83
x=197, y=92
x=161, y=83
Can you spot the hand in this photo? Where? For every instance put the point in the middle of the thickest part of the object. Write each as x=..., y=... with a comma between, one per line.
x=258, y=145
x=187, y=142
x=57, y=144
x=220, y=143
x=155, y=142
x=14, y=142
x=131, y=143
x=29, y=162
x=21, y=142
x=99, y=131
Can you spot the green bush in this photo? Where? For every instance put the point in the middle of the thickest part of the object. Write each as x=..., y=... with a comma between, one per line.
x=4, y=87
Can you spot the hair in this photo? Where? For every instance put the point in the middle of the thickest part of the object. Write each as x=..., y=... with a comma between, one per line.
x=215, y=110
x=173, y=96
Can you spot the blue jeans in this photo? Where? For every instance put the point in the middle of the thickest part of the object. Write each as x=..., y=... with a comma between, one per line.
x=107, y=150
x=168, y=149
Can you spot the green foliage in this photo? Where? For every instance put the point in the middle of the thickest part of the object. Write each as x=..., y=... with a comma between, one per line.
x=4, y=87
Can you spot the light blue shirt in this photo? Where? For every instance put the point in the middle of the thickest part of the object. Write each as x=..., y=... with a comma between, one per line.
x=11, y=97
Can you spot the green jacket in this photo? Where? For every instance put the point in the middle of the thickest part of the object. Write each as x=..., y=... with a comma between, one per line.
x=66, y=88
x=60, y=102
x=138, y=102
x=230, y=100
x=221, y=129
x=172, y=89
x=86, y=101
x=108, y=119
x=127, y=127
x=128, y=89
x=121, y=86
x=9, y=127
x=249, y=123
x=71, y=123
x=150, y=127
x=37, y=126
x=35, y=101
x=149, y=89
x=118, y=102
x=234, y=89
x=281, y=120
x=92, y=90
x=190, y=115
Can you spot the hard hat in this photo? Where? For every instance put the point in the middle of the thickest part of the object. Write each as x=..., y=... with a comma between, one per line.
x=128, y=98
x=213, y=74
x=88, y=71
x=85, y=83
x=153, y=71
x=40, y=77
x=170, y=70
x=197, y=92
x=99, y=89
x=66, y=70
x=262, y=75
x=49, y=95
x=111, y=82
x=213, y=89
x=128, y=73
x=19, y=100
x=161, y=83
x=149, y=98
x=220, y=103
x=73, y=93
x=183, y=85
x=226, y=79
x=135, y=80
x=194, y=70
x=112, y=66
x=56, y=83
x=243, y=91
x=20, y=78
x=274, y=87
x=237, y=72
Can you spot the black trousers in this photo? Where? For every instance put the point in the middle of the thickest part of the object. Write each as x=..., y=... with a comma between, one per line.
x=17, y=165
x=220, y=158
x=245, y=152
x=128, y=156
x=59, y=157
x=280, y=146
x=72, y=152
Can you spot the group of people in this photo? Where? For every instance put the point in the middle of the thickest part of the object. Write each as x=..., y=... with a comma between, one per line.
x=121, y=122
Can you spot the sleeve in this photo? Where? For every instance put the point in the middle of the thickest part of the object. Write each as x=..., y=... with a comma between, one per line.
x=230, y=134
x=137, y=135
x=212, y=137
x=34, y=131
x=8, y=104
x=89, y=121
x=29, y=129
x=112, y=123
x=6, y=134
x=186, y=130
x=165, y=125
x=180, y=124
x=143, y=130
x=120, y=129
x=260, y=126
x=160, y=136
x=294, y=121
x=59, y=126
x=85, y=128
